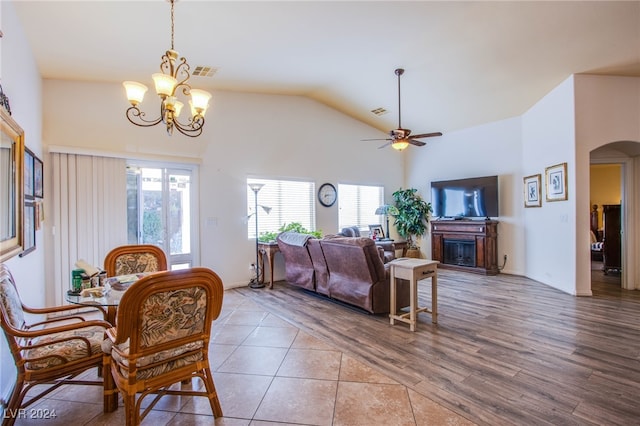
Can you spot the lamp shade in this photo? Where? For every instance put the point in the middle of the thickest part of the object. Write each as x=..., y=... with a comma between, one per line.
x=400, y=144
x=200, y=100
x=164, y=84
x=135, y=91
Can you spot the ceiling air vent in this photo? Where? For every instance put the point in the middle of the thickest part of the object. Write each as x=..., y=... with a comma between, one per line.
x=379, y=111
x=201, y=71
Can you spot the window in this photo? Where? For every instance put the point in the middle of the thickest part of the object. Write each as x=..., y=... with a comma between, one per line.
x=280, y=202
x=357, y=205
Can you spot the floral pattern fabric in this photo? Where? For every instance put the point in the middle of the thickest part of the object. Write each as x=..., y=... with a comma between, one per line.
x=60, y=348
x=167, y=316
x=135, y=263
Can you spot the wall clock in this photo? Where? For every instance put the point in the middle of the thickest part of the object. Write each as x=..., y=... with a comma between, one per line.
x=327, y=194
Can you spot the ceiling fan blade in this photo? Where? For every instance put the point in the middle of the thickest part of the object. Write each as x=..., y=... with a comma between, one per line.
x=415, y=142
x=425, y=135
x=385, y=145
x=382, y=139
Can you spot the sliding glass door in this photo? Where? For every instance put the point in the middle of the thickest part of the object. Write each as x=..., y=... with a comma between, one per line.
x=160, y=211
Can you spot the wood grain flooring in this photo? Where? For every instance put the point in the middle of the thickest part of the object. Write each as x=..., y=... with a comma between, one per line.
x=506, y=349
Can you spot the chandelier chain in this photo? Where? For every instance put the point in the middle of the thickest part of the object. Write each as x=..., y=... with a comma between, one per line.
x=172, y=25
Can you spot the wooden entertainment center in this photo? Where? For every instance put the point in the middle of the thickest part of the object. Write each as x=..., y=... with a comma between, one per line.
x=466, y=245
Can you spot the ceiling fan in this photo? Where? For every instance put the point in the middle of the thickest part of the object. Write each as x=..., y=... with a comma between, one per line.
x=401, y=138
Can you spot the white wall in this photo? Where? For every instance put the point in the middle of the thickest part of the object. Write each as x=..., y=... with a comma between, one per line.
x=245, y=135
x=550, y=231
x=489, y=149
x=608, y=110
x=21, y=83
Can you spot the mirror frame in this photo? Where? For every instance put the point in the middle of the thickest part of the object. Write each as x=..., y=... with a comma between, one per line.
x=13, y=246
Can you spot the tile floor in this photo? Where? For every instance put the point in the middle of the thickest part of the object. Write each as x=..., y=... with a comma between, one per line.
x=267, y=372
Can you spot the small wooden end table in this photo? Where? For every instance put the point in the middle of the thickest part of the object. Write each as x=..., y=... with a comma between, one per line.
x=414, y=270
x=269, y=250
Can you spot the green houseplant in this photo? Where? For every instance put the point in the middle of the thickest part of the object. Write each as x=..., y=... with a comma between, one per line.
x=412, y=216
x=266, y=237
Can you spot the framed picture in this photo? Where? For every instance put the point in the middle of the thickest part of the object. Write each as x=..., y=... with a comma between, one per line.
x=29, y=235
x=376, y=232
x=37, y=178
x=532, y=191
x=28, y=173
x=556, y=182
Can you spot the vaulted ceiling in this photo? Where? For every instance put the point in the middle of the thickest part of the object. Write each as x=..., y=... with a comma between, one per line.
x=466, y=62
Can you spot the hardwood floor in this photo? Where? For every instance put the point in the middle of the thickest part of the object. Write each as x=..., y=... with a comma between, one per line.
x=506, y=349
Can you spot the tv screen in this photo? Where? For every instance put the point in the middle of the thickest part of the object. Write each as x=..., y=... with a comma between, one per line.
x=460, y=198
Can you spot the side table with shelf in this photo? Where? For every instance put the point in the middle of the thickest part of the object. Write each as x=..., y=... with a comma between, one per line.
x=413, y=270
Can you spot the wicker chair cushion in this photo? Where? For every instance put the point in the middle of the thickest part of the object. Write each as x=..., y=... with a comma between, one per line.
x=61, y=348
x=135, y=263
x=11, y=300
x=165, y=317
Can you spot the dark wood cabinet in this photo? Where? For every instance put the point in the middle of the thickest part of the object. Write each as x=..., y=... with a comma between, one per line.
x=466, y=245
x=611, y=238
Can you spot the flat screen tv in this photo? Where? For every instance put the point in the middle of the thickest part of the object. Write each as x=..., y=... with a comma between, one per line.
x=465, y=198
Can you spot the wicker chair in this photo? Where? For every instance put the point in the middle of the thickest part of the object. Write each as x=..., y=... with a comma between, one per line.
x=134, y=259
x=162, y=339
x=51, y=352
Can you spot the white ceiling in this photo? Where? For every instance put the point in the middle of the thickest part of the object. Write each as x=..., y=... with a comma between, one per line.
x=466, y=62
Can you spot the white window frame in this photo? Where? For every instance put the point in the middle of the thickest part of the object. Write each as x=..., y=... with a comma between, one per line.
x=288, y=200
x=355, y=208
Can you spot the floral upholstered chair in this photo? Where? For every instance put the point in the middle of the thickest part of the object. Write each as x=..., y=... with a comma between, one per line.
x=52, y=351
x=162, y=338
x=134, y=259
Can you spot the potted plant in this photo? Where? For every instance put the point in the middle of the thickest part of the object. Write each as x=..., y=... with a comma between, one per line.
x=412, y=216
x=267, y=237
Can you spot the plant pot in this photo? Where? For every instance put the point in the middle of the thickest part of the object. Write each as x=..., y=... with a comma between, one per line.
x=414, y=253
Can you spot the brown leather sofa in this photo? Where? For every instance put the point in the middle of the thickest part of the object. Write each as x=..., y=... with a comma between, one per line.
x=388, y=247
x=347, y=269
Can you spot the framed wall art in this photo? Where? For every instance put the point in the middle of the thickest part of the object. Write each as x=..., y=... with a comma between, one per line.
x=556, y=182
x=532, y=196
x=37, y=178
x=29, y=236
x=28, y=173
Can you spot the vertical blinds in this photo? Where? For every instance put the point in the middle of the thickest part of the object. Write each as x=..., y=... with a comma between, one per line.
x=358, y=204
x=288, y=201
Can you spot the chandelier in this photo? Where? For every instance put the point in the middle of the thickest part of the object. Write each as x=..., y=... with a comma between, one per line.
x=174, y=77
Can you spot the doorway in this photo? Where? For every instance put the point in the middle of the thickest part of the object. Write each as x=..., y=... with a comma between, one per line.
x=160, y=211
x=625, y=155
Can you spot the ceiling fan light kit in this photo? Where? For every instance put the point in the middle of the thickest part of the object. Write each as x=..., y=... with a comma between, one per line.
x=173, y=78
x=401, y=138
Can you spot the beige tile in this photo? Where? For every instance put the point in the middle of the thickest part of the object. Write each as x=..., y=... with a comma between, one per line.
x=57, y=412
x=219, y=354
x=311, y=364
x=263, y=423
x=245, y=317
x=352, y=370
x=277, y=337
x=372, y=404
x=239, y=394
x=254, y=360
x=306, y=341
x=428, y=412
x=201, y=420
x=274, y=321
x=231, y=334
x=305, y=401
